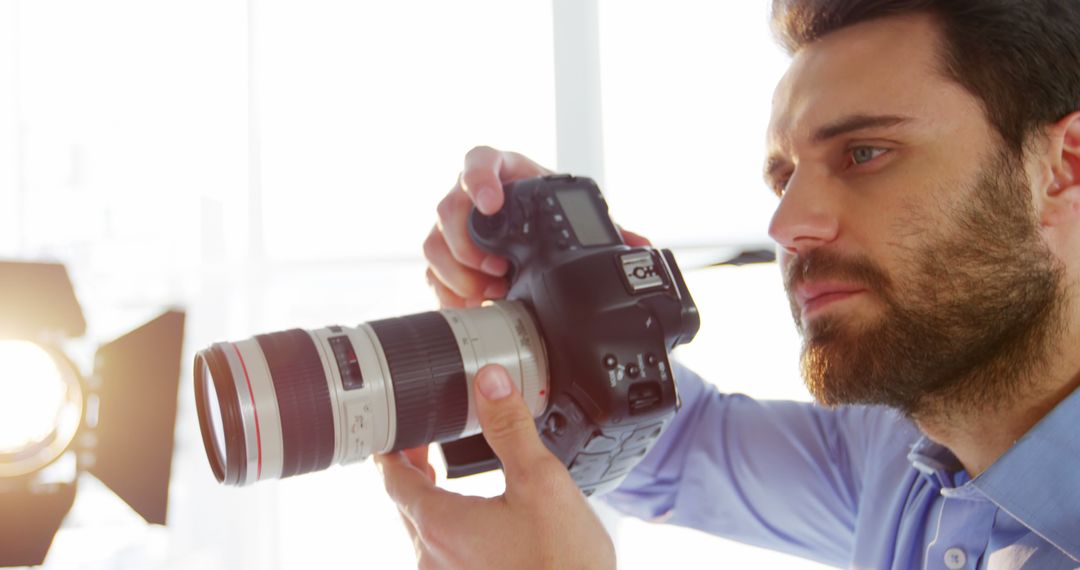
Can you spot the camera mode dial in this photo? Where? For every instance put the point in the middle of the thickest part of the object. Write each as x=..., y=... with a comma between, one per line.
x=490, y=228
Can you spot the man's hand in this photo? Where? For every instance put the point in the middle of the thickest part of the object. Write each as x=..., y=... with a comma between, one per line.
x=459, y=271
x=541, y=521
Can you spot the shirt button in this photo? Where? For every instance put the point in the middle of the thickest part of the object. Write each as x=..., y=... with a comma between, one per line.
x=955, y=558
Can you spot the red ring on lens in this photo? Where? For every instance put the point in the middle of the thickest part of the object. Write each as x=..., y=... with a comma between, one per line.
x=254, y=409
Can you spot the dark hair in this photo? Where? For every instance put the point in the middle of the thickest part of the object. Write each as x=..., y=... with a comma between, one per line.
x=1021, y=58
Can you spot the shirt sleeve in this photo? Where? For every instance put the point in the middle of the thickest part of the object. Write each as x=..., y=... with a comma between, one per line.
x=782, y=475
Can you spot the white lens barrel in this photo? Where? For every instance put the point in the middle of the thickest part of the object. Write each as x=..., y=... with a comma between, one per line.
x=264, y=420
x=503, y=333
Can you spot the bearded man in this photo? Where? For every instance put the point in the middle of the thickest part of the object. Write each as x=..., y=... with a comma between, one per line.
x=926, y=158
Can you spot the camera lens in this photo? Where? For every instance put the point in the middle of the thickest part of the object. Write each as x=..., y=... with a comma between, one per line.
x=297, y=401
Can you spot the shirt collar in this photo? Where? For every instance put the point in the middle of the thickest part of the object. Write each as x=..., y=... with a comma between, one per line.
x=1037, y=481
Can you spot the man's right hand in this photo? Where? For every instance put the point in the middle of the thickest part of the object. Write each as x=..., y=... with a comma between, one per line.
x=460, y=272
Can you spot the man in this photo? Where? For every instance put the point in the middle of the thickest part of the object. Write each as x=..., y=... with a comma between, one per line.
x=926, y=156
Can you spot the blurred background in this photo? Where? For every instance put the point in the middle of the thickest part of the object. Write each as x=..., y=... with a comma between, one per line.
x=269, y=164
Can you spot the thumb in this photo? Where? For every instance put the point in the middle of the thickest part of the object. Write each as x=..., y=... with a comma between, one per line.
x=507, y=423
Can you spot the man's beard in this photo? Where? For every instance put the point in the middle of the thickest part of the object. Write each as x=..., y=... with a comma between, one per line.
x=972, y=321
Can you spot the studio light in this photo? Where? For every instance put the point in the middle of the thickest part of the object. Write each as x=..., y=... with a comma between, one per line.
x=115, y=423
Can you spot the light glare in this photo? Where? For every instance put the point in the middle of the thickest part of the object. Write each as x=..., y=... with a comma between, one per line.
x=32, y=395
x=41, y=406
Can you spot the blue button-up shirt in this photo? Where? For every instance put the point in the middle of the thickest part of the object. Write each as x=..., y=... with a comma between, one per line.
x=859, y=486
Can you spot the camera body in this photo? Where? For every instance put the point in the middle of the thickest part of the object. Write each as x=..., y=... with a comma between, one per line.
x=609, y=315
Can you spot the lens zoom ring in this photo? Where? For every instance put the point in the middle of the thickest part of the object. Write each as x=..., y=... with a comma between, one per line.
x=307, y=421
x=430, y=391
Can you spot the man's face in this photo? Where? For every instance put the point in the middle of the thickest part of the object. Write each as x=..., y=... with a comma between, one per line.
x=912, y=255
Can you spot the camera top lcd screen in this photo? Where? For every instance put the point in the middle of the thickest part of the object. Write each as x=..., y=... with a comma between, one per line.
x=584, y=218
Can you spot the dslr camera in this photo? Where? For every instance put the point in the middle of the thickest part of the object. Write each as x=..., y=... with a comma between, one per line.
x=585, y=332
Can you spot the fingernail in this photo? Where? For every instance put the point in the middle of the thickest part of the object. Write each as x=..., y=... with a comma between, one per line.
x=495, y=384
x=494, y=265
x=486, y=200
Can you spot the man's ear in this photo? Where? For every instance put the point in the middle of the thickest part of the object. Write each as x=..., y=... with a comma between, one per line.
x=1061, y=196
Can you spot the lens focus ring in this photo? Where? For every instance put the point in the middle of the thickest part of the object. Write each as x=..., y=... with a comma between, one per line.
x=430, y=391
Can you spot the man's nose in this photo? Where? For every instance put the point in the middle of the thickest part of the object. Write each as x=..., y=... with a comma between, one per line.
x=807, y=216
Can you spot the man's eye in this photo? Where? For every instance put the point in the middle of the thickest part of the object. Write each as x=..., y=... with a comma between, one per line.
x=780, y=186
x=864, y=154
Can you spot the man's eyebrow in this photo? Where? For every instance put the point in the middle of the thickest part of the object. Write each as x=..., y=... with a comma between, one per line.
x=857, y=123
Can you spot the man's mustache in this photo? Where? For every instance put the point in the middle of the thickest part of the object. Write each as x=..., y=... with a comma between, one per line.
x=822, y=265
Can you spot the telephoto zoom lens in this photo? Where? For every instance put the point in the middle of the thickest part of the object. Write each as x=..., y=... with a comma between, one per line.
x=297, y=401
